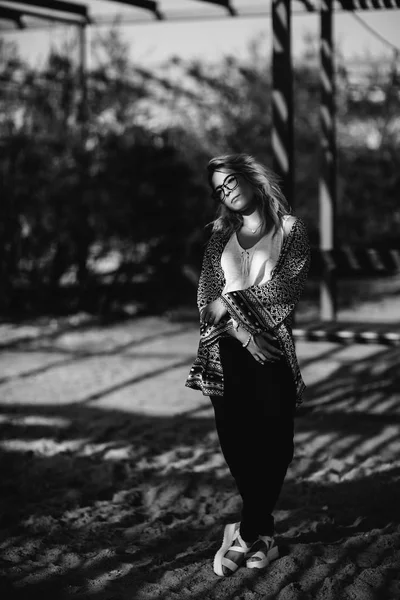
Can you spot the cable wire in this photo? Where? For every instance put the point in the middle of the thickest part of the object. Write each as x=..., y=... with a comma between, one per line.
x=375, y=33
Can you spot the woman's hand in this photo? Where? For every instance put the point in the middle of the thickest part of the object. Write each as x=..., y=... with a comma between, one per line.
x=264, y=348
x=213, y=312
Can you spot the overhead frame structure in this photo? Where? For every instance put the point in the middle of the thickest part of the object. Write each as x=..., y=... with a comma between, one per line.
x=68, y=13
x=155, y=8
x=80, y=10
x=17, y=16
x=284, y=120
x=282, y=137
x=75, y=9
x=9, y=14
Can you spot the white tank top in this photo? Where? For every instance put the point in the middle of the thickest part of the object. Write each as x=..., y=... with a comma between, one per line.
x=244, y=268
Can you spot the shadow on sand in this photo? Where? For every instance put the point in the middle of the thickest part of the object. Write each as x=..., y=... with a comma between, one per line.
x=107, y=503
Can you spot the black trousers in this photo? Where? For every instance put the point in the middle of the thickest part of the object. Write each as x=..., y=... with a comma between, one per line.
x=255, y=425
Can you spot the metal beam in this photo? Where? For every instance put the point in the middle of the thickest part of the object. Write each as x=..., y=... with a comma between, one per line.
x=150, y=5
x=190, y=16
x=341, y=6
x=45, y=17
x=80, y=10
x=9, y=14
x=225, y=4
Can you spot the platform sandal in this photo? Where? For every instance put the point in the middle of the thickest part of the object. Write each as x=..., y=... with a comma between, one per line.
x=263, y=551
x=232, y=541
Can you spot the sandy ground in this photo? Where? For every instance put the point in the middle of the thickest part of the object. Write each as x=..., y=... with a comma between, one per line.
x=114, y=488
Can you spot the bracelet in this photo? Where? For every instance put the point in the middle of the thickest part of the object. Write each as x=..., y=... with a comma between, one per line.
x=235, y=324
x=248, y=341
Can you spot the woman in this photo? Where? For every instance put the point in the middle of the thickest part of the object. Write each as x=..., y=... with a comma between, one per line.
x=254, y=270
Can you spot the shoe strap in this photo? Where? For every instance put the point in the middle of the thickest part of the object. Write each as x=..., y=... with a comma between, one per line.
x=238, y=537
x=260, y=554
x=227, y=562
x=238, y=549
x=267, y=539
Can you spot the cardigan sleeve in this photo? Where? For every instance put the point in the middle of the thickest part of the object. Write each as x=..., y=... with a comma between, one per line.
x=207, y=289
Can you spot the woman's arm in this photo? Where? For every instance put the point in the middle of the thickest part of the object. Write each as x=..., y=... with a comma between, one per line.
x=265, y=307
x=206, y=290
x=209, y=301
x=212, y=313
x=211, y=280
x=261, y=309
x=262, y=347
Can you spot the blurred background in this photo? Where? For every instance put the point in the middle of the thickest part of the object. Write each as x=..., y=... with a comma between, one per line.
x=104, y=199
x=113, y=483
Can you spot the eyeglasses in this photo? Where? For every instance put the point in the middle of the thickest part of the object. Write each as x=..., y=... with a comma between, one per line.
x=230, y=183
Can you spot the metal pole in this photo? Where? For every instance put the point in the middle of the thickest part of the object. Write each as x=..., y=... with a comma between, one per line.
x=83, y=233
x=83, y=106
x=327, y=181
x=282, y=96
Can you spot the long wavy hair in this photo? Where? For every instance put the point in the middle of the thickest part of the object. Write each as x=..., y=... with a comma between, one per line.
x=267, y=193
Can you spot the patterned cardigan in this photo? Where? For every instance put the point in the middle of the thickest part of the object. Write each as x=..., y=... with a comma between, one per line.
x=268, y=306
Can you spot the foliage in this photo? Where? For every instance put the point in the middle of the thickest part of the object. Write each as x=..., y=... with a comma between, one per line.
x=115, y=193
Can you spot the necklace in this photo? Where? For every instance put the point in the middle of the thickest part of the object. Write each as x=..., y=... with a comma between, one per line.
x=253, y=230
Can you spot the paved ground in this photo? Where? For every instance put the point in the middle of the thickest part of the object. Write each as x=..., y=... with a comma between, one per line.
x=115, y=486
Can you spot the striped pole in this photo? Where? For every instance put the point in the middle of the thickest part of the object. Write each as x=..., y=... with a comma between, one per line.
x=352, y=5
x=327, y=180
x=282, y=96
x=346, y=260
x=352, y=334
x=369, y=4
